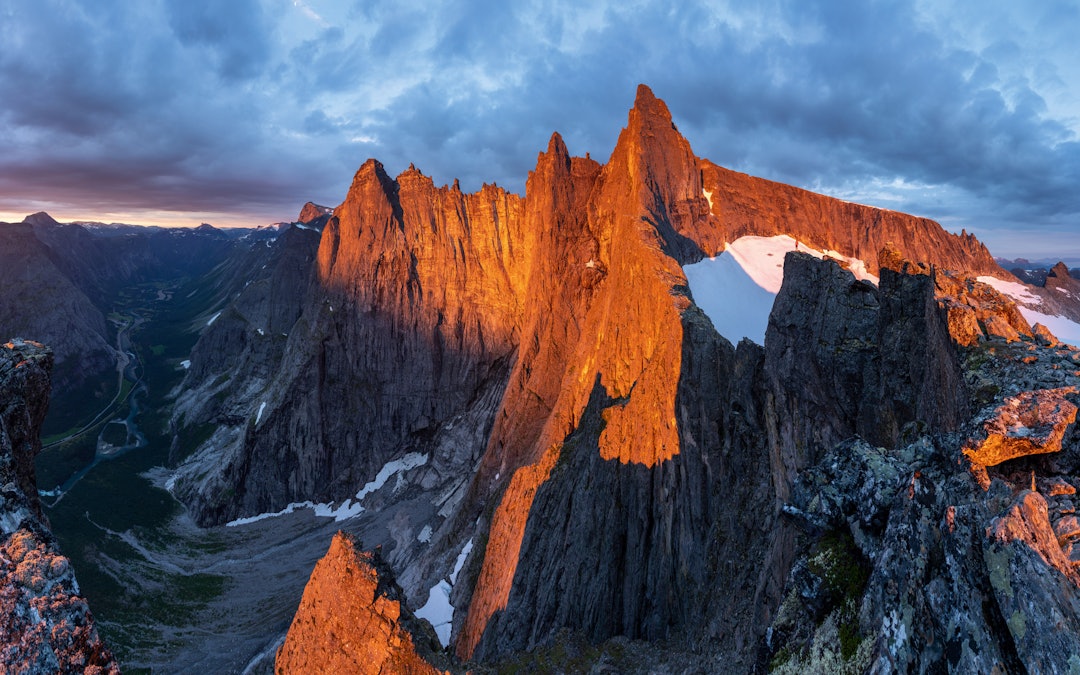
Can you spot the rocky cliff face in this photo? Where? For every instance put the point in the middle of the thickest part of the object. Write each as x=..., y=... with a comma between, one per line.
x=46, y=625
x=923, y=557
x=612, y=458
x=406, y=320
x=744, y=205
x=352, y=619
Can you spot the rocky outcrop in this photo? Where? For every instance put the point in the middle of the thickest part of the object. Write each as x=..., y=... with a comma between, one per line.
x=909, y=561
x=352, y=619
x=1034, y=422
x=845, y=358
x=46, y=625
x=977, y=312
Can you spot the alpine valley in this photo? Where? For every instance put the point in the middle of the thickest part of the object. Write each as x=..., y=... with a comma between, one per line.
x=653, y=416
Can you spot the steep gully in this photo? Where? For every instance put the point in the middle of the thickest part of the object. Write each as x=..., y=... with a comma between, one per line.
x=560, y=329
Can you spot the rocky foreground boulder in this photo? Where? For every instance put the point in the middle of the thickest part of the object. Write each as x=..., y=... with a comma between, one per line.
x=952, y=551
x=45, y=624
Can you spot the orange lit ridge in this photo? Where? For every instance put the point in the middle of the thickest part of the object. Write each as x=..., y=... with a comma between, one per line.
x=633, y=341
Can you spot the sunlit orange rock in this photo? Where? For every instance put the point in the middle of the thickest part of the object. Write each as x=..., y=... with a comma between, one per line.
x=745, y=205
x=621, y=325
x=1029, y=424
x=977, y=311
x=346, y=623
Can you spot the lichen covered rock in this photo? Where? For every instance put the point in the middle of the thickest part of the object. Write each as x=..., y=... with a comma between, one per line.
x=45, y=624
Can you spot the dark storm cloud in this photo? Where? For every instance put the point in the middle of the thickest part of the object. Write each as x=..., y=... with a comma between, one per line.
x=235, y=33
x=257, y=106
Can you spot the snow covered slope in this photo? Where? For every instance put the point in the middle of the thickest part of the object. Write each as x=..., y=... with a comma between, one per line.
x=1030, y=303
x=736, y=289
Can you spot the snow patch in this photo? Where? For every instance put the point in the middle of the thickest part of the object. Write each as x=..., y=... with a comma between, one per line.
x=425, y=535
x=1017, y=290
x=213, y=319
x=409, y=461
x=260, y=331
x=263, y=516
x=258, y=416
x=1063, y=328
x=350, y=508
x=185, y=364
x=708, y=197
x=465, y=551
x=736, y=289
x=438, y=609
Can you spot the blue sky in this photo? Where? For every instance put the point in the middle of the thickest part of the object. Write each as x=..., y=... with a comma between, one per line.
x=235, y=113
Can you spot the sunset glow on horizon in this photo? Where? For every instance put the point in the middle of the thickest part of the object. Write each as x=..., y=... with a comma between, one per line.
x=153, y=218
x=236, y=114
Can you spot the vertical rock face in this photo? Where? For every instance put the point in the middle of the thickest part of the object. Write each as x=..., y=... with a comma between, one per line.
x=625, y=355
x=45, y=625
x=410, y=313
x=351, y=619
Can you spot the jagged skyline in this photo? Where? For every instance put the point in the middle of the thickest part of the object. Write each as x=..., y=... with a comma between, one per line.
x=236, y=113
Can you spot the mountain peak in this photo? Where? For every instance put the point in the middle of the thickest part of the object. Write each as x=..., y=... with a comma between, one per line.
x=40, y=218
x=649, y=108
x=645, y=98
x=350, y=619
x=312, y=211
x=556, y=145
x=1060, y=270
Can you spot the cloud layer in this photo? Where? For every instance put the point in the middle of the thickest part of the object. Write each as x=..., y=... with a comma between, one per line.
x=241, y=111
